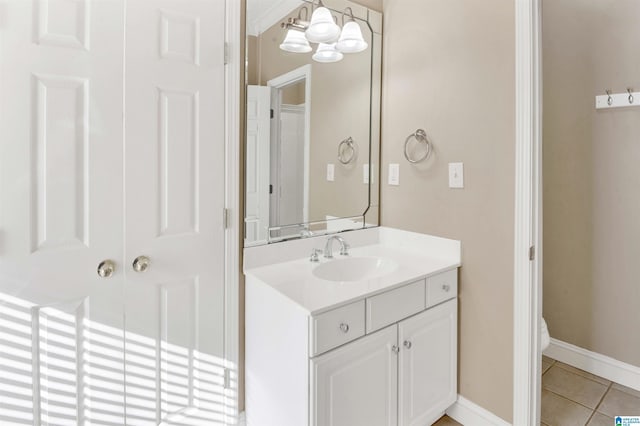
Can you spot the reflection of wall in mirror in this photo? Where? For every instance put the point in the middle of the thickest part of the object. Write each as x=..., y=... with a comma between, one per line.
x=340, y=94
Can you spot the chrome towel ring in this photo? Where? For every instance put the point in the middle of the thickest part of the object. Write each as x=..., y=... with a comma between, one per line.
x=347, y=150
x=421, y=137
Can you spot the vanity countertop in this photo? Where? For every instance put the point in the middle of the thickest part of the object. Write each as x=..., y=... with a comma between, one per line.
x=415, y=256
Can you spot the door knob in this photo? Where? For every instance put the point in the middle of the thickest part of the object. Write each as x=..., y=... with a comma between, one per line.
x=407, y=344
x=106, y=268
x=141, y=263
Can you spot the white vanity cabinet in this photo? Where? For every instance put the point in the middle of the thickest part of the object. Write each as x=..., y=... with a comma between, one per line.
x=357, y=384
x=427, y=364
x=388, y=359
x=402, y=375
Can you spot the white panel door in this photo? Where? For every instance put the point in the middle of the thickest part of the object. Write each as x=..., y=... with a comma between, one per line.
x=257, y=156
x=428, y=364
x=174, y=198
x=357, y=384
x=61, y=346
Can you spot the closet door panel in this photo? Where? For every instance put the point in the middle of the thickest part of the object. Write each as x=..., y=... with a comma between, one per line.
x=61, y=337
x=174, y=194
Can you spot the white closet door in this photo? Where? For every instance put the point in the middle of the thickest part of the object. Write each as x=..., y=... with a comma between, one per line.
x=174, y=197
x=61, y=346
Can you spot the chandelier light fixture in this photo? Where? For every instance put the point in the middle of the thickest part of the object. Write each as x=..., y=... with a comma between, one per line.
x=327, y=52
x=332, y=40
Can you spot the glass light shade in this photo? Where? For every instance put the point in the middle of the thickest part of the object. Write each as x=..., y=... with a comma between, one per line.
x=351, y=40
x=295, y=42
x=327, y=53
x=322, y=28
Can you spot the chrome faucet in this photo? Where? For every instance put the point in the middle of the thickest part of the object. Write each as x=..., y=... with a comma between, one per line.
x=305, y=233
x=328, y=248
x=314, y=255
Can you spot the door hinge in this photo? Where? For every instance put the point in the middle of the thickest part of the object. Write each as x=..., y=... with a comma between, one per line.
x=226, y=53
x=271, y=114
x=532, y=253
x=226, y=219
x=227, y=378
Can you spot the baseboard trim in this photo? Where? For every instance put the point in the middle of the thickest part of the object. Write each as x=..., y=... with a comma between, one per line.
x=595, y=363
x=469, y=413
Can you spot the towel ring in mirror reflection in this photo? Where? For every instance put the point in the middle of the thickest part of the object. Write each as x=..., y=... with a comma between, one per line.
x=347, y=150
x=421, y=137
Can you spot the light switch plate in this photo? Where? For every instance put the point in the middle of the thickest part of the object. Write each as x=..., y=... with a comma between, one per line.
x=365, y=174
x=456, y=175
x=331, y=169
x=394, y=174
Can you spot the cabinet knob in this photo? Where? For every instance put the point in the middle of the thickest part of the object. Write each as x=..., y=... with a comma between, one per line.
x=344, y=327
x=407, y=344
x=395, y=349
x=446, y=287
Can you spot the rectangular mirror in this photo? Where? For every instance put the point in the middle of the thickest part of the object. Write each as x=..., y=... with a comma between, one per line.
x=312, y=120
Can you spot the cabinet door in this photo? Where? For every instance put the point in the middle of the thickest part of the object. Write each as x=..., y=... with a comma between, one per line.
x=428, y=362
x=357, y=384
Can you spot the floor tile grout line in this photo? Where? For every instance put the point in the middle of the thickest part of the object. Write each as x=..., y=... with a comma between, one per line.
x=603, y=397
x=593, y=413
x=584, y=377
x=571, y=400
x=550, y=367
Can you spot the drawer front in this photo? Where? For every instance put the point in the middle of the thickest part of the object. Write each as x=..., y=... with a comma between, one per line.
x=394, y=305
x=442, y=287
x=336, y=327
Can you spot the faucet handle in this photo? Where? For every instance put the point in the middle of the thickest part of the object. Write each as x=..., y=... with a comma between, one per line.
x=344, y=249
x=314, y=255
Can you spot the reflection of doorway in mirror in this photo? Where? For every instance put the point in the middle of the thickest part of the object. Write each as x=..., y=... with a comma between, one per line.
x=291, y=166
x=289, y=176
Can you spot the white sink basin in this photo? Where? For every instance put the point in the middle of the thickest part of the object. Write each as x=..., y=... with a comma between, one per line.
x=354, y=268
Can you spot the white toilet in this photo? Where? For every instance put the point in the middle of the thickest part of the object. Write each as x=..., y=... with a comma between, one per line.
x=545, y=339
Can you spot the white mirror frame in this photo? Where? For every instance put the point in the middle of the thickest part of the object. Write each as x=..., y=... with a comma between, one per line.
x=528, y=219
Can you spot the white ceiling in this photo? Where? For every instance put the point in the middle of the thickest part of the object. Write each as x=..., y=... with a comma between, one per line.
x=262, y=14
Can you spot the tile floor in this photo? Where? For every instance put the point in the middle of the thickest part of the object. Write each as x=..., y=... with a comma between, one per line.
x=574, y=397
x=446, y=421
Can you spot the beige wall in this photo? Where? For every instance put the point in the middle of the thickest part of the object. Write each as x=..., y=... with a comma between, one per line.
x=448, y=67
x=591, y=176
x=340, y=108
x=371, y=4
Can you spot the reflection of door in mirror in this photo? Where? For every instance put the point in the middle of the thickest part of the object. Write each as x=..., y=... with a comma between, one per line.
x=289, y=177
x=257, y=163
x=277, y=152
x=291, y=106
